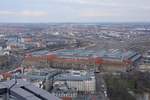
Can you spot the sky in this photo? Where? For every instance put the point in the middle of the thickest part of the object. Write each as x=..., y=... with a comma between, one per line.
x=74, y=11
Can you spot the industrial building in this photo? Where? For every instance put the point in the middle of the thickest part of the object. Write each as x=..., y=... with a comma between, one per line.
x=109, y=60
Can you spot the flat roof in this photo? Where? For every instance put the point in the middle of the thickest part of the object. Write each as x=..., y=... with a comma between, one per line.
x=23, y=90
x=112, y=53
x=71, y=77
x=83, y=54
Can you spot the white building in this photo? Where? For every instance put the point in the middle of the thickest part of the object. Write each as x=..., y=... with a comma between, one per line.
x=80, y=81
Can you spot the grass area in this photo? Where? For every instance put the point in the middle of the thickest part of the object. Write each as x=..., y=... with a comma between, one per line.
x=117, y=88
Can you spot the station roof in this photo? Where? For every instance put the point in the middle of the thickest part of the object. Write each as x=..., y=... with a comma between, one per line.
x=113, y=54
x=41, y=52
x=84, y=54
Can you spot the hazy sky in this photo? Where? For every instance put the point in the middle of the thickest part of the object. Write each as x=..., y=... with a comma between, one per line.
x=74, y=10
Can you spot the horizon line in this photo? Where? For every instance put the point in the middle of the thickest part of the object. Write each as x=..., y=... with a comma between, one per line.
x=72, y=22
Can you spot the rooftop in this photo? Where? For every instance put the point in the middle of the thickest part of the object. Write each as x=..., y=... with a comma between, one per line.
x=113, y=53
x=25, y=91
x=75, y=76
x=63, y=76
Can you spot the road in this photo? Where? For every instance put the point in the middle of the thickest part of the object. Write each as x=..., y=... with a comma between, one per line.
x=101, y=88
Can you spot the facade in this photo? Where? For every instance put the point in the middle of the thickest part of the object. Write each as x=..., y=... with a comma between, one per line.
x=146, y=58
x=80, y=81
x=145, y=64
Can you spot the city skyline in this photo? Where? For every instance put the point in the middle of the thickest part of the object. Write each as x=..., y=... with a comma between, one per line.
x=74, y=11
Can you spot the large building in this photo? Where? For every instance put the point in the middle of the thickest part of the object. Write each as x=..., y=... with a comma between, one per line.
x=146, y=57
x=22, y=90
x=64, y=83
x=79, y=80
x=145, y=63
x=109, y=60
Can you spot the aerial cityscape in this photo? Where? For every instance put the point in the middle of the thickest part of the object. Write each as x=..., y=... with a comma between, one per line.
x=78, y=61
x=74, y=50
